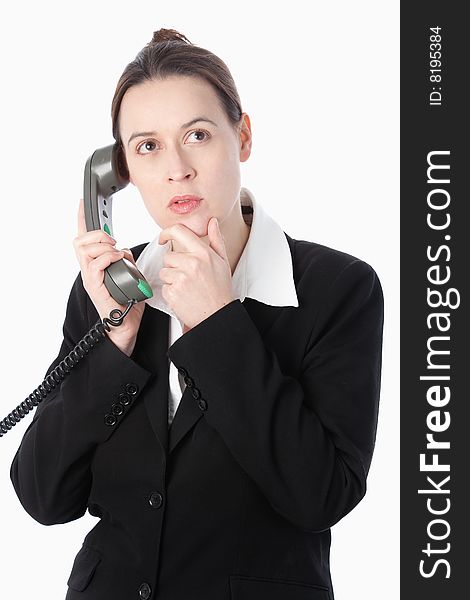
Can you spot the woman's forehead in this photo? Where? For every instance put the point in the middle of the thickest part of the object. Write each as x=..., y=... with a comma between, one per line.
x=179, y=90
x=171, y=102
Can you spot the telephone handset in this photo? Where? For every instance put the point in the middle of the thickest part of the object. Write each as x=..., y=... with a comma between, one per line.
x=123, y=280
x=102, y=180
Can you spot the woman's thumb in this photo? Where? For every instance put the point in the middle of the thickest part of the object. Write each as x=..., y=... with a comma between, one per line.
x=128, y=254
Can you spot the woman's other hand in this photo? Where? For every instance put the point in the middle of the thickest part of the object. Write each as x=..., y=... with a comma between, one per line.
x=197, y=282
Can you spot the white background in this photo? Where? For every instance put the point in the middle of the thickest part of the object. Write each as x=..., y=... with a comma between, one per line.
x=320, y=83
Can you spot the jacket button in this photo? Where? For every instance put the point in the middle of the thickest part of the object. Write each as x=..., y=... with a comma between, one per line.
x=202, y=404
x=124, y=399
x=182, y=372
x=117, y=409
x=188, y=381
x=196, y=393
x=132, y=389
x=110, y=419
x=155, y=500
x=144, y=591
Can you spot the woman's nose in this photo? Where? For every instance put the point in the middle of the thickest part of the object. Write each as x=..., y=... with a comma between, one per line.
x=178, y=166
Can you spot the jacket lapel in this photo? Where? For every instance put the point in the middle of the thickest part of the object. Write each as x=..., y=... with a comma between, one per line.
x=186, y=416
x=151, y=353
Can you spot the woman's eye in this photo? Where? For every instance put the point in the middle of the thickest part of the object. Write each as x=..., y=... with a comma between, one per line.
x=148, y=146
x=200, y=133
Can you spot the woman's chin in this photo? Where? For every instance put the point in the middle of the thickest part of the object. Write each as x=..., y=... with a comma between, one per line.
x=197, y=224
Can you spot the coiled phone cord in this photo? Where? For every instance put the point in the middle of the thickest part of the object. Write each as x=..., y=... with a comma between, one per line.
x=87, y=343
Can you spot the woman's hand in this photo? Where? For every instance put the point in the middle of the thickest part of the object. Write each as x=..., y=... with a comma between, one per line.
x=95, y=251
x=197, y=282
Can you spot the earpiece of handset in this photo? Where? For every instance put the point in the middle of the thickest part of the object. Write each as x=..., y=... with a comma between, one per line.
x=102, y=179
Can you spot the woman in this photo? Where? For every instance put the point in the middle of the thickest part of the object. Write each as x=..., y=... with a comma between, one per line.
x=230, y=421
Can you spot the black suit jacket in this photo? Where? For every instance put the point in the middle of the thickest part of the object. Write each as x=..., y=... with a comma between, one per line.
x=270, y=446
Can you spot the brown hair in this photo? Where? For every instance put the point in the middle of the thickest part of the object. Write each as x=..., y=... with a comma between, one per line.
x=171, y=53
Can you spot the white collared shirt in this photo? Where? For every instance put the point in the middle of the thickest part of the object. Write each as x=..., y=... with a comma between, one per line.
x=264, y=272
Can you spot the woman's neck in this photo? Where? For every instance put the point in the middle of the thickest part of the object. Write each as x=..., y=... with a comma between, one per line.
x=235, y=243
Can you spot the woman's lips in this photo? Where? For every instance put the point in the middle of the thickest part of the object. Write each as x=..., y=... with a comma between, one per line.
x=185, y=204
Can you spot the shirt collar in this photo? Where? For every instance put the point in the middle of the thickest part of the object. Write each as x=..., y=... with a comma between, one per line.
x=264, y=271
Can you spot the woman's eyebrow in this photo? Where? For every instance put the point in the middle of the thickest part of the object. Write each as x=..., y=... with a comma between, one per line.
x=188, y=124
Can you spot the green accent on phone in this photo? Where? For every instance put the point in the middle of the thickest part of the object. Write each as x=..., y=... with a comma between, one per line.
x=145, y=288
x=106, y=228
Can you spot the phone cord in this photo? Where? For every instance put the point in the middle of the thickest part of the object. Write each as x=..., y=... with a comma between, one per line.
x=87, y=343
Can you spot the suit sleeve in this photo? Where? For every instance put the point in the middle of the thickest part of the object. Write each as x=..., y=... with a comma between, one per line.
x=51, y=469
x=307, y=441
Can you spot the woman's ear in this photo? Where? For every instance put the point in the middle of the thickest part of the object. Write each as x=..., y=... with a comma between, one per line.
x=245, y=137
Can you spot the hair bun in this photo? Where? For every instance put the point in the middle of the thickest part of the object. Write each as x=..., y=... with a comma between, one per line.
x=164, y=35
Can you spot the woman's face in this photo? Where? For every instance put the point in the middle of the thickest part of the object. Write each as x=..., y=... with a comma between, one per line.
x=172, y=149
